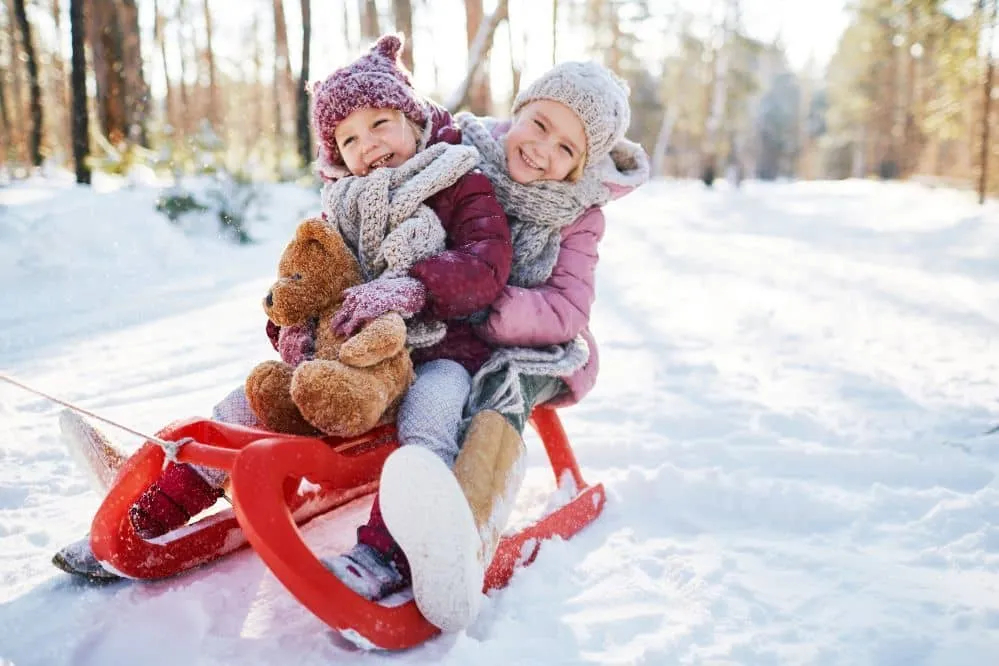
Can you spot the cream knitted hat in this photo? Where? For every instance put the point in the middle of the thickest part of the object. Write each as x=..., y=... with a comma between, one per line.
x=594, y=93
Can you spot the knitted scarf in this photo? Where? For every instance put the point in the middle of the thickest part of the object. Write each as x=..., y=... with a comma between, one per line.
x=537, y=213
x=384, y=221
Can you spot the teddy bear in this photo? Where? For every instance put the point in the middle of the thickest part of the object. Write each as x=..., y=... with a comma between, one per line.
x=339, y=386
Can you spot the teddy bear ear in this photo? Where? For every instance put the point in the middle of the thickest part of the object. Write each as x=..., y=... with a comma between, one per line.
x=313, y=229
x=389, y=45
x=318, y=230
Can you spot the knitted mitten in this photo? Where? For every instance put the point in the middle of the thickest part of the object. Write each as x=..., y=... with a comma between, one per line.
x=370, y=300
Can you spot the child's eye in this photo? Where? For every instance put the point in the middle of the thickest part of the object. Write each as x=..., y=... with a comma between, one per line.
x=380, y=121
x=346, y=142
x=567, y=149
x=541, y=125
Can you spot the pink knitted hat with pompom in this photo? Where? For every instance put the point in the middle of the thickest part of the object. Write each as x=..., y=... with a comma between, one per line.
x=377, y=79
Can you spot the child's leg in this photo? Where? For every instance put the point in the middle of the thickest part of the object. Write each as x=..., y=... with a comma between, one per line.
x=184, y=490
x=430, y=414
x=235, y=408
x=534, y=389
x=450, y=522
x=429, y=417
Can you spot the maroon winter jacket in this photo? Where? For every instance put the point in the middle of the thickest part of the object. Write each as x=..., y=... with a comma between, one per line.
x=473, y=268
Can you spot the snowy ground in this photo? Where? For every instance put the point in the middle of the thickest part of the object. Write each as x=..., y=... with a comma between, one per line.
x=789, y=419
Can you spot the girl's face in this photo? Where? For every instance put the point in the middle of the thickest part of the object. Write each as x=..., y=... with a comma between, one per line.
x=545, y=142
x=371, y=138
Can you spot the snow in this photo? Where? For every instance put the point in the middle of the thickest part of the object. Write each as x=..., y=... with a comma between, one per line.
x=789, y=423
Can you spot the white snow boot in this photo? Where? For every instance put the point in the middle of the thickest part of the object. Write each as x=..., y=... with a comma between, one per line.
x=447, y=523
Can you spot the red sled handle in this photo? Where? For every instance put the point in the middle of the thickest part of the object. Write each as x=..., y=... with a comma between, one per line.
x=262, y=468
x=257, y=480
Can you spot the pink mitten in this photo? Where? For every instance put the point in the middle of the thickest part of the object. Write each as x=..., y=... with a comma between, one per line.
x=297, y=343
x=178, y=494
x=371, y=300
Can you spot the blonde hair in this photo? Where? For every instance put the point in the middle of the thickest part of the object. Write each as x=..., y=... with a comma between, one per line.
x=577, y=171
x=417, y=130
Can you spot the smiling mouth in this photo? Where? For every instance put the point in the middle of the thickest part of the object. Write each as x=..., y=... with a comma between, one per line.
x=528, y=161
x=381, y=161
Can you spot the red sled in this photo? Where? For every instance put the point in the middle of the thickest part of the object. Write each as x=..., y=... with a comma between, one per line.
x=266, y=472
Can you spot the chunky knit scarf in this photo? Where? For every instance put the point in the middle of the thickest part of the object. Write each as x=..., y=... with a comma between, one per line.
x=537, y=213
x=384, y=221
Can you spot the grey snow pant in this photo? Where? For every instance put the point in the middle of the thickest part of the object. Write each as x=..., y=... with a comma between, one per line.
x=430, y=414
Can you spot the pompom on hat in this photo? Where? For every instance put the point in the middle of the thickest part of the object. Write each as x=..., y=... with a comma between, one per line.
x=377, y=79
x=594, y=93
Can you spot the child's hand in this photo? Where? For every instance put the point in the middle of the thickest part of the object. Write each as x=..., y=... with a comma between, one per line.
x=297, y=344
x=371, y=300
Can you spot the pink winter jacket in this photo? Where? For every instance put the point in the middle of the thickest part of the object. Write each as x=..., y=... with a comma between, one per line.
x=559, y=310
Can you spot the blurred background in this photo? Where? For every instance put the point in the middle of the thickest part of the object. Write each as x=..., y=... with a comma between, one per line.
x=766, y=89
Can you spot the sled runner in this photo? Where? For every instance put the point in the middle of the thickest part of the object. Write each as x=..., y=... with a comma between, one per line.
x=269, y=502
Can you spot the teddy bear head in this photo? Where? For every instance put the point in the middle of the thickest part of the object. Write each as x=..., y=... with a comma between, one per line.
x=315, y=269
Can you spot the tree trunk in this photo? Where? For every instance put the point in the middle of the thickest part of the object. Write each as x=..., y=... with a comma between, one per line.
x=213, y=89
x=159, y=29
x=554, y=31
x=60, y=88
x=282, y=76
x=516, y=68
x=18, y=122
x=476, y=55
x=983, y=171
x=258, y=76
x=479, y=96
x=369, y=20
x=136, y=91
x=719, y=90
x=347, y=40
x=35, y=145
x=403, y=10
x=184, y=112
x=663, y=138
x=615, y=56
x=105, y=36
x=304, y=136
x=81, y=125
x=5, y=131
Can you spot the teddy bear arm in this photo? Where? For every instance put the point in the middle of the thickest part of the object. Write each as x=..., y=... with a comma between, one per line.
x=381, y=339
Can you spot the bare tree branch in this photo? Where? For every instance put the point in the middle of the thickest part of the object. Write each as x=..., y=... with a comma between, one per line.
x=480, y=47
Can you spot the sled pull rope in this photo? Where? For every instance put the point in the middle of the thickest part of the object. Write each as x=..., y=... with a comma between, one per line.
x=169, y=448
